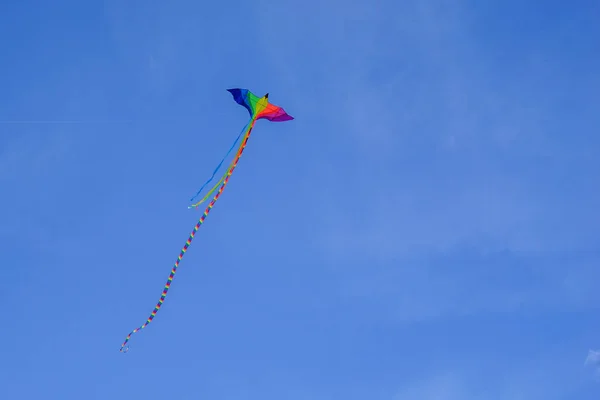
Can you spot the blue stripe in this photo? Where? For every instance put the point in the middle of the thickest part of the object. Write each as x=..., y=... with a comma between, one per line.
x=221, y=163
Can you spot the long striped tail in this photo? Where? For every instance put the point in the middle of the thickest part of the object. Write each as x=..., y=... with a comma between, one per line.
x=124, y=347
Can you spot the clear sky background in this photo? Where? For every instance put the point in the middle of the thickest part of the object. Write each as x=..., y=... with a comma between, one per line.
x=426, y=228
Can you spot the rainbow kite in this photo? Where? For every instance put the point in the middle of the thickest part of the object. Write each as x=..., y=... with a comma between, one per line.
x=259, y=108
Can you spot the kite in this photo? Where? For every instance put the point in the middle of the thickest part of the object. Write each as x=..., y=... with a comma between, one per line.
x=259, y=108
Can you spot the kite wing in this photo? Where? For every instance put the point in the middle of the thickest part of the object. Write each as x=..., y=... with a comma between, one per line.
x=275, y=114
x=245, y=98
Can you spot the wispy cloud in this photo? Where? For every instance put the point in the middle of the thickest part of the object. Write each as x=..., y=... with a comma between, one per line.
x=544, y=376
x=593, y=360
x=441, y=148
x=445, y=199
x=468, y=281
x=440, y=241
x=593, y=357
x=27, y=155
x=397, y=84
x=442, y=387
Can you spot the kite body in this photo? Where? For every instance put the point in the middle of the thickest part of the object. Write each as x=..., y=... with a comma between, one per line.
x=259, y=108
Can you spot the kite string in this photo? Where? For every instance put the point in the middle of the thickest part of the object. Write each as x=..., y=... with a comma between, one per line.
x=124, y=347
x=219, y=166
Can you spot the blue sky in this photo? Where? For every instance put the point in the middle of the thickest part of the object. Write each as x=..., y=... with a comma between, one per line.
x=426, y=228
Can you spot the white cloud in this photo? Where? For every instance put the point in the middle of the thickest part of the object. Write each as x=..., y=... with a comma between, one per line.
x=392, y=81
x=546, y=376
x=473, y=181
x=441, y=387
x=435, y=99
x=593, y=360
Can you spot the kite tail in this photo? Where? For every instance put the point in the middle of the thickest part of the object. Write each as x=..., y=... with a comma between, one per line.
x=219, y=166
x=216, y=186
x=124, y=347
